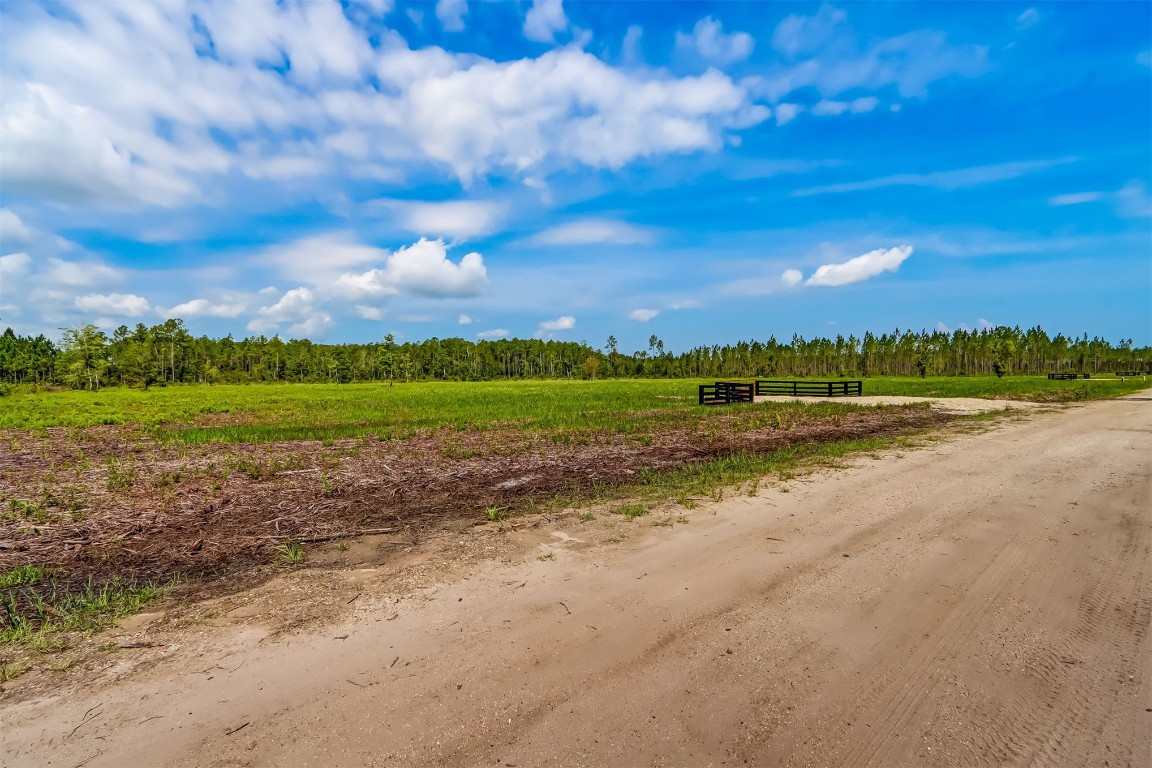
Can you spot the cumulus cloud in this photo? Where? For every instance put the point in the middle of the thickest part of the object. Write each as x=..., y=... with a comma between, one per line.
x=545, y=18
x=549, y=327
x=464, y=320
x=454, y=218
x=710, y=42
x=495, y=333
x=298, y=310
x=116, y=304
x=643, y=315
x=204, y=308
x=862, y=267
x=790, y=278
x=144, y=105
x=423, y=269
x=593, y=231
x=451, y=14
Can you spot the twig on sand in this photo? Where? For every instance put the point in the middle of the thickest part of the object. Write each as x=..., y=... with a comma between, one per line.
x=240, y=727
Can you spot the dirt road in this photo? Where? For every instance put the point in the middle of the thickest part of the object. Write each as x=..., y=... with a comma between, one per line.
x=984, y=601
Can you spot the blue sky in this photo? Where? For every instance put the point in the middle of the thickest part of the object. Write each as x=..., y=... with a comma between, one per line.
x=704, y=172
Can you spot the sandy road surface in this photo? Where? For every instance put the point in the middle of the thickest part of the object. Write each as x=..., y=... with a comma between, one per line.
x=985, y=601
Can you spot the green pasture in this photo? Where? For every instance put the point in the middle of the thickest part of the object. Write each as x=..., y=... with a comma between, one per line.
x=261, y=413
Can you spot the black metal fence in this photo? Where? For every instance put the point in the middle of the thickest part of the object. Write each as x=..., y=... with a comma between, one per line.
x=841, y=388
x=1068, y=376
x=726, y=393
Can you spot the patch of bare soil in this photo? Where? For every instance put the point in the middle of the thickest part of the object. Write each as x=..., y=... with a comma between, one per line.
x=107, y=503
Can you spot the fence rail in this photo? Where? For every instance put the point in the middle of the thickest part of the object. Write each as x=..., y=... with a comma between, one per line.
x=841, y=388
x=726, y=393
x=1068, y=376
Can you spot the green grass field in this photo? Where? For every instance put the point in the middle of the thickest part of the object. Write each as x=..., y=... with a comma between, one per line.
x=262, y=413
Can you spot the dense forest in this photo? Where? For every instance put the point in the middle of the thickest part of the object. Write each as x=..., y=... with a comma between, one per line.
x=87, y=358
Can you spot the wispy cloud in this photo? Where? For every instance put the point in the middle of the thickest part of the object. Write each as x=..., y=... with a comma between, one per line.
x=593, y=232
x=946, y=180
x=1075, y=198
x=1027, y=19
x=709, y=41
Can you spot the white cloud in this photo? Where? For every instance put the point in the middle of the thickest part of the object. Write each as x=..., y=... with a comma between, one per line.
x=630, y=50
x=985, y=324
x=203, y=308
x=451, y=14
x=116, y=108
x=1133, y=200
x=709, y=41
x=1027, y=19
x=796, y=36
x=423, y=269
x=464, y=320
x=787, y=112
x=862, y=267
x=562, y=323
x=369, y=313
x=320, y=258
x=948, y=180
x=545, y=18
x=1075, y=198
x=13, y=231
x=495, y=333
x=643, y=315
x=15, y=264
x=822, y=52
x=64, y=272
x=858, y=106
x=116, y=304
x=790, y=278
x=295, y=306
x=311, y=327
x=593, y=231
x=455, y=218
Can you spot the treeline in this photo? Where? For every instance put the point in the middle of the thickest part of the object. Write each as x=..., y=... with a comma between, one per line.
x=87, y=358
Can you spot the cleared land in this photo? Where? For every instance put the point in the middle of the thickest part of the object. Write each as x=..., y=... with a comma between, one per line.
x=985, y=601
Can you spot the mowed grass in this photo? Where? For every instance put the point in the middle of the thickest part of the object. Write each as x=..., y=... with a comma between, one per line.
x=1033, y=388
x=261, y=413
x=266, y=413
